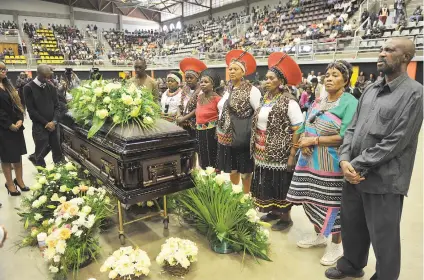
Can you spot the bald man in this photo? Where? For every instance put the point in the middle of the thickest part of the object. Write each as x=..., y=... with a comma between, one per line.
x=44, y=111
x=142, y=79
x=377, y=157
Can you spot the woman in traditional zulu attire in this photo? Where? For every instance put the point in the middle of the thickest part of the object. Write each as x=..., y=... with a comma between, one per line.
x=171, y=98
x=235, y=114
x=206, y=118
x=273, y=141
x=318, y=180
x=191, y=67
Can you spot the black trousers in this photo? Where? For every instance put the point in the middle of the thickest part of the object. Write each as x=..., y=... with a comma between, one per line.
x=46, y=141
x=371, y=219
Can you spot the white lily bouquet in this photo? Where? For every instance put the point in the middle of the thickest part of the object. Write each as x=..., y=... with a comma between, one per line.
x=177, y=255
x=96, y=102
x=127, y=263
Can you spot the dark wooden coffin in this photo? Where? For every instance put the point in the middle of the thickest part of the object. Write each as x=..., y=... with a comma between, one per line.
x=136, y=164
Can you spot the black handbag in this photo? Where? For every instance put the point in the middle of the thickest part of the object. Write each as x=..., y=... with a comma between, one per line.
x=241, y=129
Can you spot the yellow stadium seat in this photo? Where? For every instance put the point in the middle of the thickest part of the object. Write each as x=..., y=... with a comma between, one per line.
x=7, y=61
x=7, y=57
x=22, y=57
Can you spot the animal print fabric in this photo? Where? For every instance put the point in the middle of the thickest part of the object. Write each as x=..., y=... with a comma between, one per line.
x=278, y=135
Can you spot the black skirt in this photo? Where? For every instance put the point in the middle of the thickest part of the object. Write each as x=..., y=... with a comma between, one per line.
x=270, y=187
x=12, y=145
x=234, y=159
x=207, y=142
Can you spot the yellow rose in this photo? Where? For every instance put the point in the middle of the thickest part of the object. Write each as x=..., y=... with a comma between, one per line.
x=65, y=233
x=73, y=210
x=135, y=112
x=102, y=113
x=51, y=243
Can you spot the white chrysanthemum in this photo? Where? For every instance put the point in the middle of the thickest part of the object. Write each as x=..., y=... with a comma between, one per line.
x=69, y=166
x=42, y=180
x=98, y=91
x=63, y=188
x=107, y=100
x=252, y=215
x=43, y=199
x=75, y=190
x=61, y=247
x=55, y=197
x=86, y=209
x=36, y=187
x=56, y=258
x=113, y=274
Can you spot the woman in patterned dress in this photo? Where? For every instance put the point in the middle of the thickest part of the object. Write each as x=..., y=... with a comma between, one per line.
x=239, y=101
x=171, y=98
x=273, y=141
x=318, y=180
x=206, y=118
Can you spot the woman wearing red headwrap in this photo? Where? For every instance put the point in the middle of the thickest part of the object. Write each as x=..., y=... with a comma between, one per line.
x=191, y=67
x=273, y=142
x=236, y=109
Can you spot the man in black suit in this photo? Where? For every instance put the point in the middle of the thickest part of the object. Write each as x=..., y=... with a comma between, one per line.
x=44, y=111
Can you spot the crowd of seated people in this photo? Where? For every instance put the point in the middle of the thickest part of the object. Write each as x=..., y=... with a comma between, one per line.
x=8, y=28
x=74, y=47
x=284, y=26
x=128, y=46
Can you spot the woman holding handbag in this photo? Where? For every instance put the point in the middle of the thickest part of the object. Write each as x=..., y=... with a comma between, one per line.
x=236, y=109
x=273, y=143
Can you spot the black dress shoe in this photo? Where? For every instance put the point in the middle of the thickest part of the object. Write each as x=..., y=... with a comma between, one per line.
x=281, y=225
x=269, y=217
x=23, y=189
x=334, y=273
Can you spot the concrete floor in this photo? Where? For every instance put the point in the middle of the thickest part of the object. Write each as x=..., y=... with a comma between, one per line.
x=289, y=262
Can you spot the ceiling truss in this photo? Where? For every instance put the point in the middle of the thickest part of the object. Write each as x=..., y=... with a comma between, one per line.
x=144, y=9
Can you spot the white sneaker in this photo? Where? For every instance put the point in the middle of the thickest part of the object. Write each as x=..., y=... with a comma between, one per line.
x=317, y=240
x=332, y=254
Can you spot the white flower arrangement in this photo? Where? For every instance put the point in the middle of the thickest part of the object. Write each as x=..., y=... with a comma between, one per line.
x=127, y=262
x=177, y=251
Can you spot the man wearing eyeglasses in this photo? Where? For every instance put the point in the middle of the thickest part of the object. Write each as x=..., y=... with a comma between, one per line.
x=44, y=111
x=141, y=78
x=377, y=157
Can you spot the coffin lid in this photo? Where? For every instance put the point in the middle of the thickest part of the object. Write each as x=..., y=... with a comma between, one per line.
x=132, y=132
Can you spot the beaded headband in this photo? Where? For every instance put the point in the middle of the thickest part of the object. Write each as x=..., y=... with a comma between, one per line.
x=192, y=72
x=175, y=77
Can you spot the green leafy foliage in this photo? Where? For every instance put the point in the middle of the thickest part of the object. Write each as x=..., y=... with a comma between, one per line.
x=223, y=213
x=96, y=102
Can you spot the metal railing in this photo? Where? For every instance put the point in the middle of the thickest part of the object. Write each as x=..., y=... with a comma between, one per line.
x=354, y=47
